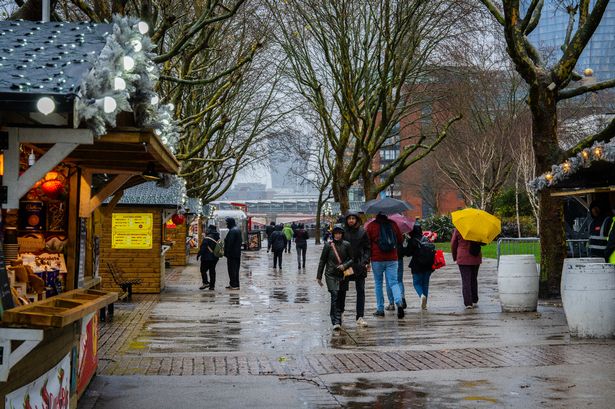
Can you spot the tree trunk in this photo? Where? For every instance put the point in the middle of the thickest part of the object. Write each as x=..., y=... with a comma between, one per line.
x=547, y=152
x=340, y=187
x=369, y=188
x=319, y=205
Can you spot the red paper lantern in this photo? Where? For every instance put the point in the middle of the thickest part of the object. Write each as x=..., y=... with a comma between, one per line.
x=53, y=188
x=178, y=218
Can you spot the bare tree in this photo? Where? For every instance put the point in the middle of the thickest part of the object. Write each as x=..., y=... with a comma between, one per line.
x=548, y=85
x=359, y=65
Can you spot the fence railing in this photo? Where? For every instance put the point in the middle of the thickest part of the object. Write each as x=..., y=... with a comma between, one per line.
x=531, y=245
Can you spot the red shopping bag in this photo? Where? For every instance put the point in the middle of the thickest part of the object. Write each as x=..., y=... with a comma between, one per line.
x=438, y=260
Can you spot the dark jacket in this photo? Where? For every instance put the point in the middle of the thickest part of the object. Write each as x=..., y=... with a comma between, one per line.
x=413, y=245
x=359, y=245
x=301, y=236
x=232, y=241
x=268, y=230
x=208, y=244
x=328, y=263
x=277, y=241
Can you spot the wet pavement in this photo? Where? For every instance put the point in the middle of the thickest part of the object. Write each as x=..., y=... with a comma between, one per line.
x=274, y=335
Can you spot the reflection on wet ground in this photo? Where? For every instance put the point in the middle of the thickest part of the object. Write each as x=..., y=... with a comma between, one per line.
x=285, y=310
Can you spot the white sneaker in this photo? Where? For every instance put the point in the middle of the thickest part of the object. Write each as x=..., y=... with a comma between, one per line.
x=337, y=327
x=361, y=322
x=469, y=307
x=423, y=302
x=475, y=305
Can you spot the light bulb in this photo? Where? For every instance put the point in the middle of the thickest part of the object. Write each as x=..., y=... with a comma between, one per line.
x=45, y=105
x=109, y=105
x=155, y=100
x=136, y=45
x=598, y=152
x=119, y=84
x=549, y=177
x=129, y=63
x=566, y=167
x=143, y=27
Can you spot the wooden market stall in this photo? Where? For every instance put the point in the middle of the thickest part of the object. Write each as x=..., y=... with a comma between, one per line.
x=69, y=142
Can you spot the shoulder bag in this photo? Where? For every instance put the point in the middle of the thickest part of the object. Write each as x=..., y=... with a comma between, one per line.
x=349, y=271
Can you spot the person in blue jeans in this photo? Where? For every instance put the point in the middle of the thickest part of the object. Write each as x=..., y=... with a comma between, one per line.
x=421, y=273
x=385, y=261
x=400, y=280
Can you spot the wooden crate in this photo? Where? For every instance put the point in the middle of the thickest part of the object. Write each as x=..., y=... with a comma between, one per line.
x=60, y=310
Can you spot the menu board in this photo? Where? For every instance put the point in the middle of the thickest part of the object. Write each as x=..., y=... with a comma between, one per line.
x=132, y=230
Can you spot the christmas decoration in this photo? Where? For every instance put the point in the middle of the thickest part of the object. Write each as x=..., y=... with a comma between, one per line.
x=178, y=219
x=600, y=151
x=122, y=78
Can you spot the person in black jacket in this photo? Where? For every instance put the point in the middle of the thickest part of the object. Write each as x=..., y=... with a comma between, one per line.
x=232, y=252
x=277, y=244
x=355, y=234
x=268, y=230
x=301, y=236
x=208, y=259
x=335, y=258
x=420, y=272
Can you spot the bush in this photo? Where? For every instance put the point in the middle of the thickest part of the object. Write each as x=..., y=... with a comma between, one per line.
x=509, y=227
x=504, y=204
x=441, y=225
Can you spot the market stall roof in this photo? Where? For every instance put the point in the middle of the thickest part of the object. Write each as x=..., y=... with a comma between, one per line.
x=46, y=58
x=156, y=194
x=591, y=170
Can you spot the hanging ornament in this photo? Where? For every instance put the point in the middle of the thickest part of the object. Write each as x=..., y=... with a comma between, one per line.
x=178, y=218
x=53, y=185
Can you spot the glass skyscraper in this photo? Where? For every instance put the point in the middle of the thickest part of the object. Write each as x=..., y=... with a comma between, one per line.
x=599, y=55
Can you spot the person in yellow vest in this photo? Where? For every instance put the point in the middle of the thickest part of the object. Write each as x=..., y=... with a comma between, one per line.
x=609, y=251
x=599, y=228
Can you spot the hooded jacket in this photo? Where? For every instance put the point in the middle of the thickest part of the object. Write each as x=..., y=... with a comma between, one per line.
x=232, y=241
x=208, y=244
x=328, y=263
x=277, y=241
x=301, y=236
x=416, y=236
x=460, y=248
x=359, y=245
x=288, y=232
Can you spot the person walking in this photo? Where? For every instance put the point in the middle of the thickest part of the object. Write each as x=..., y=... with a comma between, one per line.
x=384, y=235
x=599, y=228
x=355, y=234
x=468, y=256
x=301, y=237
x=288, y=232
x=401, y=250
x=232, y=252
x=421, y=269
x=268, y=230
x=208, y=259
x=277, y=244
x=336, y=257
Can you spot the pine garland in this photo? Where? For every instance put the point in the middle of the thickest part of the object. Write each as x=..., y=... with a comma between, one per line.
x=125, y=60
x=600, y=151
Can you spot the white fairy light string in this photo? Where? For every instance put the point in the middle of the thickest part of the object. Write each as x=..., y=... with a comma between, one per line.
x=599, y=151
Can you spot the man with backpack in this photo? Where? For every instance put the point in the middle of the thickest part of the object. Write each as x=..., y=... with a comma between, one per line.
x=208, y=253
x=384, y=235
x=277, y=244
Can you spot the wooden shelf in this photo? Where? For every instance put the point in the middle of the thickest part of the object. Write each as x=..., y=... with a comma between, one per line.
x=61, y=310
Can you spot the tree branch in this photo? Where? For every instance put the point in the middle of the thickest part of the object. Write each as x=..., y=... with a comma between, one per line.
x=573, y=92
x=605, y=135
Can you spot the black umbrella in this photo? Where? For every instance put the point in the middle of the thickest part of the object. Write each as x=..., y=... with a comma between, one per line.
x=388, y=205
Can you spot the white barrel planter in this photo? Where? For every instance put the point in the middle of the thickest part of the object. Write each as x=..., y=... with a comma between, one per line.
x=518, y=281
x=588, y=297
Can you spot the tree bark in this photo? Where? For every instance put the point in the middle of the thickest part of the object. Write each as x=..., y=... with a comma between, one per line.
x=546, y=152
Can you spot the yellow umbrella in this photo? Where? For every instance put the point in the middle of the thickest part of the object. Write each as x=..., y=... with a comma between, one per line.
x=476, y=225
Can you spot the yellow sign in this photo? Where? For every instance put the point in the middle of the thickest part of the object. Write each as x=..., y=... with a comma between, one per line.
x=131, y=231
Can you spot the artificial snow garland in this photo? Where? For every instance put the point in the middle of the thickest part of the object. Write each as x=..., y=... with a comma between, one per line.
x=122, y=79
x=600, y=151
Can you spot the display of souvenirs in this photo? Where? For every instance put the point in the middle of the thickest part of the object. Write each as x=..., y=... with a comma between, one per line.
x=55, y=243
x=31, y=216
x=56, y=216
x=45, y=261
x=31, y=242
